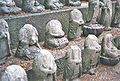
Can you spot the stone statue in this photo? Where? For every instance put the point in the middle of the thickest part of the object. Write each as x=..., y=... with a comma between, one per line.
x=53, y=4
x=54, y=35
x=28, y=42
x=8, y=6
x=73, y=63
x=94, y=10
x=117, y=13
x=106, y=14
x=32, y=6
x=92, y=51
x=76, y=24
x=4, y=41
x=73, y=2
x=14, y=73
x=44, y=66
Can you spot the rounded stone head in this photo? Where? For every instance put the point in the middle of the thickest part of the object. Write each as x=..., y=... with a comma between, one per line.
x=54, y=28
x=28, y=35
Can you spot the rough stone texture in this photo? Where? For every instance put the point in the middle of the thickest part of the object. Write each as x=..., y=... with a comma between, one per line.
x=72, y=2
x=91, y=53
x=116, y=42
x=44, y=66
x=73, y=63
x=8, y=6
x=4, y=41
x=32, y=6
x=76, y=24
x=28, y=42
x=55, y=36
x=14, y=73
x=53, y=4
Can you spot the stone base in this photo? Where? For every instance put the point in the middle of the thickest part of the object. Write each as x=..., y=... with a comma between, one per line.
x=109, y=61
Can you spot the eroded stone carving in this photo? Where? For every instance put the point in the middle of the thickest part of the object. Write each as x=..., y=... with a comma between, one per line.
x=55, y=36
x=44, y=66
x=73, y=63
x=4, y=41
x=14, y=73
x=28, y=42
x=73, y=2
x=32, y=6
x=92, y=51
x=76, y=24
x=53, y=4
x=8, y=6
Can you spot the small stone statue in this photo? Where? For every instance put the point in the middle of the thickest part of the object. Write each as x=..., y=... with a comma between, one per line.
x=92, y=51
x=4, y=41
x=73, y=63
x=55, y=36
x=53, y=4
x=44, y=66
x=8, y=6
x=117, y=13
x=76, y=24
x=32, y=6
x=14, y=73
x=28, y=42
x=106, y=14
x=73, y=2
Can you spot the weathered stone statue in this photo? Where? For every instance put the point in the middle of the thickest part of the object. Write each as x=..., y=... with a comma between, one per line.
x=106, y=14
x=76, y=24
x=117, y=13
x=14, y=73
x=4, y=41
x=73, y=63
x=92, y=51
x=55, y=36
x=44, y=66
x=32, y=6
x=53, y=4
x=8, y=6
x=72, y=2
x=94, y=10
x=28, y=42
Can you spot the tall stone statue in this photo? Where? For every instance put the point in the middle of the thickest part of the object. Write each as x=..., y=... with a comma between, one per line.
x=4, y=41
x=28, y=42
x=117, y=13
x=76, y=24
x=14, y=73
x=106, y=14
x=54, y=35
x=73, y=64
x=44, y=66
x=53, y=4
x=8, y=6
x=72, y=2
x=32, y=6
x=92, y=51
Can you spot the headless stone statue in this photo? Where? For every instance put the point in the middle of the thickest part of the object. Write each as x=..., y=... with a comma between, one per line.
x=44, y=66
x=92, y=51
x=4, y=41
x=8, y=6
x=73, y=63
x=53, y=4
x=106, y=14
x=76, y=24
x=14, y=73
x=117, y=13
x=55, y=36
x=32, y=6
x=73, y=2
x=28, y=42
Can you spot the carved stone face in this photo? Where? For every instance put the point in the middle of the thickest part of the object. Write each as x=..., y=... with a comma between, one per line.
x=28, y=34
